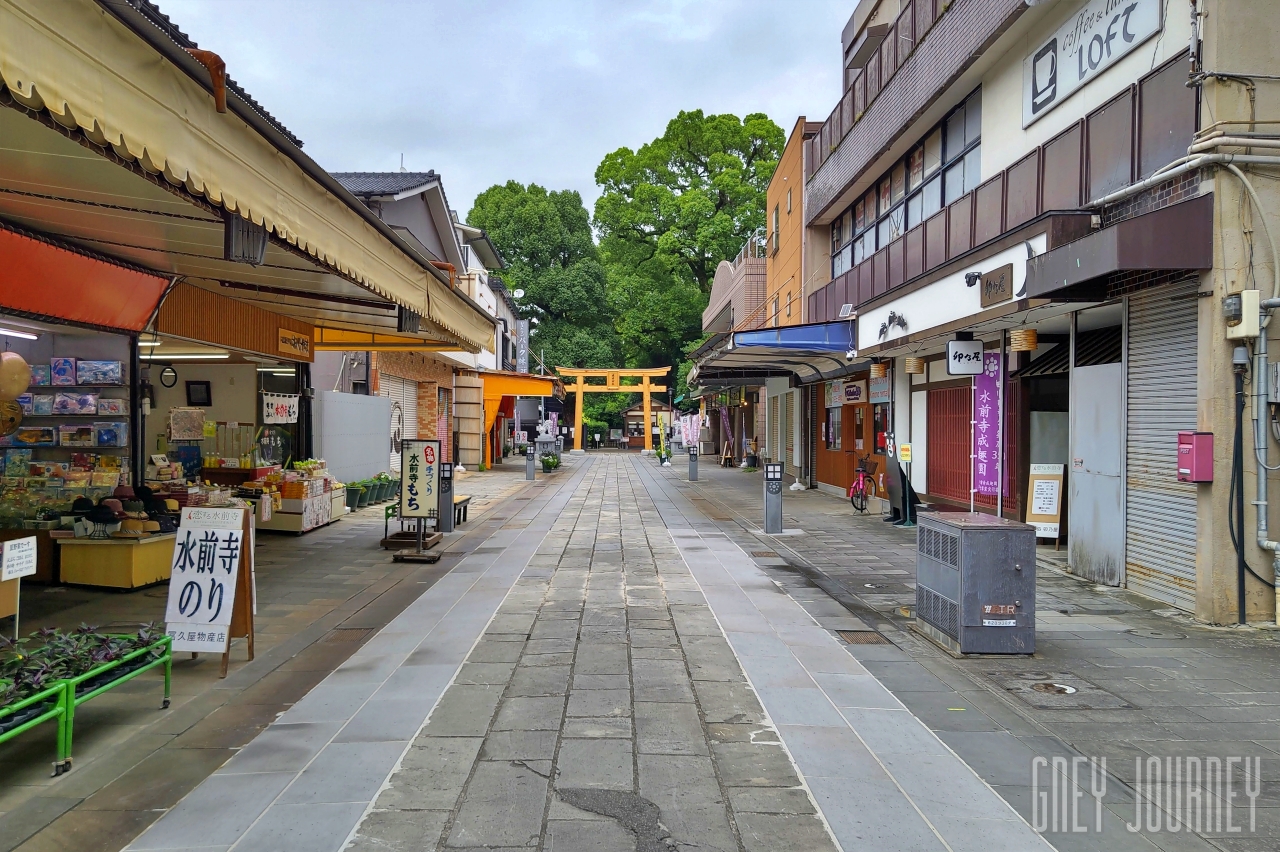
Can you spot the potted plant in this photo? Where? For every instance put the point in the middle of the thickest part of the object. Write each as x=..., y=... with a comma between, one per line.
x=388, y=487
x=506, y=450
x=366, y=494
x=550, y=461
x=354, y=489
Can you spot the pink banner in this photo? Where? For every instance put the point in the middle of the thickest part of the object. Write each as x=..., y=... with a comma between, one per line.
x=986, y=425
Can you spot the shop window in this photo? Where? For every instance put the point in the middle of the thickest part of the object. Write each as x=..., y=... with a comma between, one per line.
x=834, y=428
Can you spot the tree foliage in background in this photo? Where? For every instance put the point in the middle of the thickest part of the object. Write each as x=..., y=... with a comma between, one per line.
x=546, y=241
x=668, y=214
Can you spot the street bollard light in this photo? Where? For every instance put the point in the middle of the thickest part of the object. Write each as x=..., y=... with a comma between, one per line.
x=530, y=456
x=693, y=464
x=773, y=498
x=444, y=504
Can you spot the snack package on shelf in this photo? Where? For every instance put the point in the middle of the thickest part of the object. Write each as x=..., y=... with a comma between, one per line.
x=42, y=404
x=112, y=407
x=99, y=373
x=41, y=376
x=75, y=435
x=17, y=463
x=62, y=371
x=66, y=402
x=111, y=434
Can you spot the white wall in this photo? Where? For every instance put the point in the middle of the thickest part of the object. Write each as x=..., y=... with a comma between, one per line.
x=233, y=390
x=352, y=433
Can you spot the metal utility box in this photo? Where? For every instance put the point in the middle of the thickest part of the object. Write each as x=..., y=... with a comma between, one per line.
x=1195, y=457
x=976, y=582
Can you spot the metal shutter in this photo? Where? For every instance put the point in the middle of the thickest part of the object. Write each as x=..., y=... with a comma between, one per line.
x=404, y=413
x=1160, y=511
x=789, y=442
x=772, y=450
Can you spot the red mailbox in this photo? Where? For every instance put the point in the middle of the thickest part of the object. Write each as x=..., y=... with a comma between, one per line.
x=1195, y=457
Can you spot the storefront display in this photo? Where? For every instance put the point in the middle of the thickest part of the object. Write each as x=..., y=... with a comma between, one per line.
x=298, y=500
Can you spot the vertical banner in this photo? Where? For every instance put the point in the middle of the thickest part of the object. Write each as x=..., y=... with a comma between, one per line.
x=202, y=583
x=419, y=477
x=522, y=346
x=986, y=425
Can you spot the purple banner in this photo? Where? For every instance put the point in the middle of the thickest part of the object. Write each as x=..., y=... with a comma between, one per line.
x=986, y=425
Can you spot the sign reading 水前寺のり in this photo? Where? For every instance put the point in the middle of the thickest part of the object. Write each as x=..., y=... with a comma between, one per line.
x=419, y=477
x=202, y=583
x=296, y=344
x=1091, y=40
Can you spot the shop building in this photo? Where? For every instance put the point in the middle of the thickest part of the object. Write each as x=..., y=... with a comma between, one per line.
x=1047, y=192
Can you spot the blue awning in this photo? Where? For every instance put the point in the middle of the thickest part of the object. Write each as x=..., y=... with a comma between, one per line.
x=810, y=353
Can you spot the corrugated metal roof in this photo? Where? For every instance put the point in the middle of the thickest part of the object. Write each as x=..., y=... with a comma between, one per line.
x=382, y=183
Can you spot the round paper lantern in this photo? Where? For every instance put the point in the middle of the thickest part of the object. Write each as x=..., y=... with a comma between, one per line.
x=879, y=370
x=10, y=417
x=1023, y=340
x=15, y=375
x=913, y=366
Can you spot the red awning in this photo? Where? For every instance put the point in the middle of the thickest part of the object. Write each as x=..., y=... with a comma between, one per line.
x=39, y=278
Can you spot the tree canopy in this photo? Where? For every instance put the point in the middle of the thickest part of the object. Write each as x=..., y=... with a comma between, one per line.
x=690, y=198
x=668, y=214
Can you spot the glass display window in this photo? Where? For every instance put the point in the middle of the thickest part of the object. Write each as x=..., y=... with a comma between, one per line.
x=915, y=167
x=834, y=427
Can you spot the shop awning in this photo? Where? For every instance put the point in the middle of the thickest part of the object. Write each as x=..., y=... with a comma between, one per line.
x=811, y=352
x=501, y=385
x=107, y=75
x=37, y=277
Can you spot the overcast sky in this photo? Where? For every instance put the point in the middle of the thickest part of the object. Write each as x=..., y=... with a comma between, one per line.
x=485, y=92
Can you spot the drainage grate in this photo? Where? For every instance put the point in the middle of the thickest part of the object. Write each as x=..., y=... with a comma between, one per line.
x=346, y=634
x=482, y=550
x=764, y=554
x=862, y=637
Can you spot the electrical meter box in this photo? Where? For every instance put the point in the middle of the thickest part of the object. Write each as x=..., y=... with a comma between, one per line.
x=1195, y=457
x=976, y=583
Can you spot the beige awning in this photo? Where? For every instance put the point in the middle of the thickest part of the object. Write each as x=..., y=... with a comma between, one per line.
x=91, y=72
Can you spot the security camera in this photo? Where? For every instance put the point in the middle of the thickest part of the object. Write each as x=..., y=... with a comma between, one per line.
x=971, y=279
x=850, y=354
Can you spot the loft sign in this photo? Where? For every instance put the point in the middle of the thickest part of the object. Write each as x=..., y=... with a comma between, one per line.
x=1093, y=39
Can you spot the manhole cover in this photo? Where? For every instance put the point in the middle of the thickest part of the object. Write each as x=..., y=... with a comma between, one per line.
x=1057, y=691
x=1144, y=633
x=862, y=637
x=764, y=554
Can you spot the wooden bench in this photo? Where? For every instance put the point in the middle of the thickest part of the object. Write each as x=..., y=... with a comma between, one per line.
x=461, y=505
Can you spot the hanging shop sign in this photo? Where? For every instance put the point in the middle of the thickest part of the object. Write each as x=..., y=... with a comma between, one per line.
x=835, y=394
x=295, y=344
x=997, y=286
x=279, y=407
x=420, y=477
x=1093, y=39
x=855, y=392
x=881, y=391
x=207, y=556
x=522, y=346
x=1044, y=499
x=964, y=357
x=986, y=425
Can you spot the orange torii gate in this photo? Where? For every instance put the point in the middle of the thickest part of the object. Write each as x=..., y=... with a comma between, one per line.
x=612, y=384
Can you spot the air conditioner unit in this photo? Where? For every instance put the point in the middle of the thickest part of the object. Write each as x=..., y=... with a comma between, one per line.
x=976, y=583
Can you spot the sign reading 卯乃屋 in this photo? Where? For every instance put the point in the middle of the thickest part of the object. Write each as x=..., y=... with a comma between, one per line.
x=202, y=584
x=279, y=408
x=294, y=343
x=986, y=425
x=1096, y=36
x=419, y=477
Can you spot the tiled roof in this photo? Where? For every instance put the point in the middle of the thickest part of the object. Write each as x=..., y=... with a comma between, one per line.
x=382, y=183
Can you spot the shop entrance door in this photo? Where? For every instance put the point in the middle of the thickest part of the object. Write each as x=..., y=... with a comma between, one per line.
x=1096, y=530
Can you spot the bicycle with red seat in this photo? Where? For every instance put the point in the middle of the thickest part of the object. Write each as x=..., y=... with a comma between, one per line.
x=864, y=483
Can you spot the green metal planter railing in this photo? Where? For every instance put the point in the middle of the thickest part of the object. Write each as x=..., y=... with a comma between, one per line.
x=93, y=683
x=60, y=700
x=49, y=703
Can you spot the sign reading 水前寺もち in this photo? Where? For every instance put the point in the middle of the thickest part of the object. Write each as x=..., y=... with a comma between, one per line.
x=19, y=559
x=419, y=477
x=279, y=408
x=207, y=553
x=1096, y=36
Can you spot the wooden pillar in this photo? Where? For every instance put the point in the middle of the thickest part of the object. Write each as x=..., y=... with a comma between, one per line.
x=648, y=424
x=577, y=412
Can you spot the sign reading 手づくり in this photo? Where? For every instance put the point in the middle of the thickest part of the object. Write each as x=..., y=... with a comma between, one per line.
x=202, y=582
x=419, y=475
x=1095, y=37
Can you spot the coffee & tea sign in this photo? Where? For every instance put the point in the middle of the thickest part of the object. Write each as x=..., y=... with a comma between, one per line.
x=1091, y=40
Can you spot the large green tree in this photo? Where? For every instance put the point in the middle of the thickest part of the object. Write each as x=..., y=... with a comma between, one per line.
x=546, y=241
x=690, y=198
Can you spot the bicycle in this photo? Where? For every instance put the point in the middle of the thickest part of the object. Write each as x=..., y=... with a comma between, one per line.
x=863, y=483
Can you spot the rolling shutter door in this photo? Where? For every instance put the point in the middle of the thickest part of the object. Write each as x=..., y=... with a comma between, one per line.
x=772, y=450
x=790, y=440
x=1160, y=515
x=404, y=413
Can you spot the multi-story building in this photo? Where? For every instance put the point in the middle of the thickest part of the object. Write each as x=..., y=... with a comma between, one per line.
x=1061, y=196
